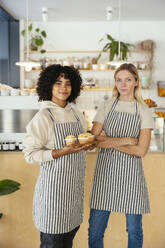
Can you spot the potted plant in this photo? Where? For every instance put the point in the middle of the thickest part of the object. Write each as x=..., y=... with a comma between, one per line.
x=113, y=47
x=8, y=186
x=37, y=38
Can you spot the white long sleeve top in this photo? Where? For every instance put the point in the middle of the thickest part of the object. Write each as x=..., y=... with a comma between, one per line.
x=39, y=140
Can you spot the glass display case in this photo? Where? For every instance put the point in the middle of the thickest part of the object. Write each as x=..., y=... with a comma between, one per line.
x=157, y=143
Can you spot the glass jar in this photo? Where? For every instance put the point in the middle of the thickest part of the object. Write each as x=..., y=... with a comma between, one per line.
x=12, y=146
x=20, y=146
x=5, y=146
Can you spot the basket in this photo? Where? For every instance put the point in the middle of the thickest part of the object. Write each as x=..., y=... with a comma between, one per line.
x=161, y=88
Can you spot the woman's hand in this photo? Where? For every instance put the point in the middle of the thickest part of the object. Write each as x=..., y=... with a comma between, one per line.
x=80, y=147
x=72, y=149
x=103, y=133
x=92, y=145
x=66, y=150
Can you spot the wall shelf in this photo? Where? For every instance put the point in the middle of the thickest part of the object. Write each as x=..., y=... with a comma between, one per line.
x=85, y=51
x=90, y=70
x=97, y=89
x=104, y=89
x=84, y=58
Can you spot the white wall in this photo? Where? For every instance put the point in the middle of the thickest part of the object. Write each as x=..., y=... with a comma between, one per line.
x=85, y=36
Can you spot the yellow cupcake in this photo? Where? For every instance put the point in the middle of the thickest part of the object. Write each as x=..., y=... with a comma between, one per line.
x=70, y=140
x=90, y=137
x=83, y=139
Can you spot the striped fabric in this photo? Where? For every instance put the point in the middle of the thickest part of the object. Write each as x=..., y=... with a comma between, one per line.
x=58, y=197
x=119, y=183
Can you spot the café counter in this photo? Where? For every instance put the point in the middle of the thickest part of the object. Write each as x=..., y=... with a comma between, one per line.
x=17, y=228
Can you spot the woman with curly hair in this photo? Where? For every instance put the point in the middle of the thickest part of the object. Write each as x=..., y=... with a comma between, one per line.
x=58, y=197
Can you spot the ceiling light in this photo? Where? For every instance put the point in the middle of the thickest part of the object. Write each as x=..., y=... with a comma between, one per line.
x=28, y=64
x=109, y=13
x=44, y=14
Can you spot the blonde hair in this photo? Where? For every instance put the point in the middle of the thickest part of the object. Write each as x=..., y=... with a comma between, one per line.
x=132, y=69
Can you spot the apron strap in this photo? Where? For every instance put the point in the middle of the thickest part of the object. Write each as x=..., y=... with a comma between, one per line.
x=116, y=101
x=53, y=119
x=51, y=115
x=76, y=115
x=114, y=104
x=136, y=108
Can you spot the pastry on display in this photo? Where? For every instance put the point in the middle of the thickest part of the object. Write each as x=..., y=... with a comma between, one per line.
x=150, y=103
x=70, y=140
x=160, y=114
x=161, y=92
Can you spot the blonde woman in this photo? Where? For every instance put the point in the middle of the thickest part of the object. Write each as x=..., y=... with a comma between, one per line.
x=122, y=126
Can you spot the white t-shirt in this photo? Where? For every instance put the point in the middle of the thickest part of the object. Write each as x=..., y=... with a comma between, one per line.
x=39, y=140
x=146, y=120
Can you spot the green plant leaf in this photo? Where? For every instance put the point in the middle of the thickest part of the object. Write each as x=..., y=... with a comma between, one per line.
x=109, y=37
x=43, y=33
x=37, y=30
x=99, y=56
x=124, y=54
x=8, y=186
x=106, y=47
x=113, y=50
x=113, y=46
x=116, y=45
x=42, y=51
x=30, y=27
x=23, y=32
x=1, y=215
x=112, y=53
x=39, y=41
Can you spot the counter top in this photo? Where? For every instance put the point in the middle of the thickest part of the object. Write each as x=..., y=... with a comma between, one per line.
x=19, y=102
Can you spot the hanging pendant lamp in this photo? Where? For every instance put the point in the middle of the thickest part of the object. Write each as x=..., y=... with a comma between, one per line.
x=28, y=64
x=119, y=61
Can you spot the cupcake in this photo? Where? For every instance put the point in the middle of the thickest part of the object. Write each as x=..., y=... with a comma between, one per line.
x=90, y=137
x=70, y=140
x=82, y=138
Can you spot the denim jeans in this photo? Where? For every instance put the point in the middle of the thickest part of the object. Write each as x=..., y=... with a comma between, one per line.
x=98, y=222
x=64, y=240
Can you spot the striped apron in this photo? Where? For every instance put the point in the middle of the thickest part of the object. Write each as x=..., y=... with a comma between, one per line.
x=119, y=183
x=59, y=191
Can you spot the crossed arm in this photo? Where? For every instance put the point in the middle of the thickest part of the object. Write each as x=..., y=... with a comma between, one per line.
x=132, y=146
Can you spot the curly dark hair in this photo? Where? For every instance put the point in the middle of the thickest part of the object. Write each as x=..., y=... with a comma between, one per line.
x=49, y=76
